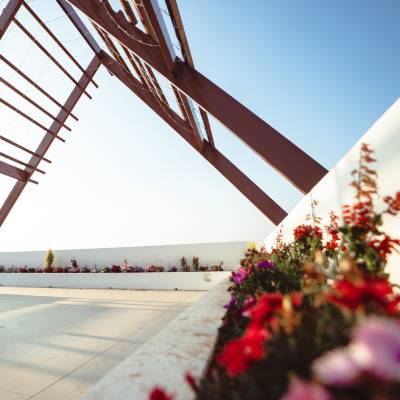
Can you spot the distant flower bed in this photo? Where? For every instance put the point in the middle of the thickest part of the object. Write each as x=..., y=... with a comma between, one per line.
x=314, y=319
x=124, y=268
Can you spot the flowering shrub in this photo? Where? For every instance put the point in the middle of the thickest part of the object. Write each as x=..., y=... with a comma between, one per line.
x=316, y=318
x=125, y=268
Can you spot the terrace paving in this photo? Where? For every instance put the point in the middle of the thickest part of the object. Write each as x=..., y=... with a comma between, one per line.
x=56, y=343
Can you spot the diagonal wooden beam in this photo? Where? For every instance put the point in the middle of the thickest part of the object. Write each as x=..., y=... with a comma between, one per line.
x=14, y=172
x=177, y=24
x=246, y=186
x=155, y=23
x=284, y=156
x=180, y=33
x=8, y=14
x=48, y=138
x=79, y=25
x=129, y=12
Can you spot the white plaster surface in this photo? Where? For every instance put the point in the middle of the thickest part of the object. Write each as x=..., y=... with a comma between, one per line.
x=209, y=253
x=56, y=343
x=333, y=190
x=183, y=346
x=142, y=280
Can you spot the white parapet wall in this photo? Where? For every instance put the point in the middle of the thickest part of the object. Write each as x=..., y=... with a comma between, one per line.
x=141, y=281
x=185, y=345
x=209, y=253
x=334, y=190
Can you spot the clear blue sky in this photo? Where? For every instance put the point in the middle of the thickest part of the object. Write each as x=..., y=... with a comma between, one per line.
x=321, y=72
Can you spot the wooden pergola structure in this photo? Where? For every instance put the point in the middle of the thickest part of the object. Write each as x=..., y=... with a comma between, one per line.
x=147, y=49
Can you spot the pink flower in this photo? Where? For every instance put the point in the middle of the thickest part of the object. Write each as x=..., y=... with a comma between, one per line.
x=374, y=351
x=300, y=390
x=239, y=276
x=336, y=367
x=380, y=340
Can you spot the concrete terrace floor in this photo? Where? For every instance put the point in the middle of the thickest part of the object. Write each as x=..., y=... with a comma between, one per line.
x=56, y=343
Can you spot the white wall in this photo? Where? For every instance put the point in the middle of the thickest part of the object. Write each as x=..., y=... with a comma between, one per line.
x=333, y=190
x=209, y=253
x=142, y=281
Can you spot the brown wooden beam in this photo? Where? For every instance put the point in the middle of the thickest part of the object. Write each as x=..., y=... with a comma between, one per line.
x=13, y=172
x=79, y=25
x=156, y=21
x=177, y=23
x=8, y=14
x=49, y=138
x=247, y=187
x=284, y=156
x=129, y=12
x=180, y=33
x=156, y=24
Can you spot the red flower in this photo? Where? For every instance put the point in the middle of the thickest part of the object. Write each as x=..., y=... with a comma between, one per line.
x=159, y=394
x=265, y=308
x=333, y=231
x=352, y=295
x=393, y=203
x=239, y=354
x=191, y=381
x=304, y=231
x=360, y=215
x=384, y=246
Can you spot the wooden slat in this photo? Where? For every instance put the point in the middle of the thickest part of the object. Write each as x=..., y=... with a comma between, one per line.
x=34, y=84
x=29, y=118
x=4, y=155
x=29, y=100
x=49, y=55
x=55, y=38
x=49, y=138
x=18, y=146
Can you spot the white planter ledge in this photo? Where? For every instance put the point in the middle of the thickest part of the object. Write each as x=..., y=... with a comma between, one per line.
x=142, y=280
x=183, y=346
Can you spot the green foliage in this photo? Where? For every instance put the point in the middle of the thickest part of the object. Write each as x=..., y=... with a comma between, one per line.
x=353, y=256
x=49, y=259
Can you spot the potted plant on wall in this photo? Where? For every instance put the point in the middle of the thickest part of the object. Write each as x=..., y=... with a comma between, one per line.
x=48, y=261
x=185, y=267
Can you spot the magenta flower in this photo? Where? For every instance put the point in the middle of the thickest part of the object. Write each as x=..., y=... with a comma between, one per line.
x=239, y=276
x=230, y=303
x=374, y=351
x=264, y=264
x=300, y=390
